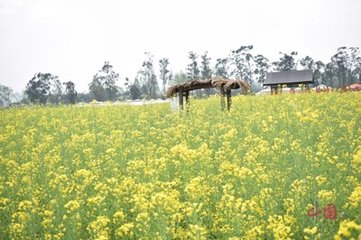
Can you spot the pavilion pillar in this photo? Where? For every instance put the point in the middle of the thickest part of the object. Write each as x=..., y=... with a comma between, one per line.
x=180, y=98
x=187, y=99
x=222, y=98
x=229, y=100
x=274, y=89
x=307, y=86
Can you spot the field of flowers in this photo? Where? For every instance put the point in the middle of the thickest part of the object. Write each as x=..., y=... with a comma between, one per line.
x=274, y=167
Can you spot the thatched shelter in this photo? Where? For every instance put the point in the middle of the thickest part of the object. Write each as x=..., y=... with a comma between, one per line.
x=224, y=85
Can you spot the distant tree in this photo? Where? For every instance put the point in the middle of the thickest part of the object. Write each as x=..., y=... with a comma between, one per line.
x=347, y=63
x=147, y=78
x=286, y=62
x=192, y=68
x=84, y=97
x=307, y=63
x=135, y=90
x=38, y=88
x=179, y=77
x=356, y=72
x=319, y=68
x=5, y=95
x=165, y=74
x=17, y=98
x=206, y=71
x=328, y=77
x=221, y=68
x=127, y=83
x=355, y=64
x=55, y=91
x=70, y=92
x=103, y=85
x=242, y=62
x=262, y=65
x=127, y=88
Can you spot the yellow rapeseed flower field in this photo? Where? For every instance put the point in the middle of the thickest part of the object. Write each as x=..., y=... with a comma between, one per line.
x=273, y=167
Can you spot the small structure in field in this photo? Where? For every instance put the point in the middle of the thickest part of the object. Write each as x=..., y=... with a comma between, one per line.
x=181, y=91
x=291, y=79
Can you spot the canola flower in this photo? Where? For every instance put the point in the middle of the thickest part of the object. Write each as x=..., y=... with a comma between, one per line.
x=145, y=172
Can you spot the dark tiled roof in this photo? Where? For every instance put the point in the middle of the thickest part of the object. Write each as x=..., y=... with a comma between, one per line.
x=289, y=77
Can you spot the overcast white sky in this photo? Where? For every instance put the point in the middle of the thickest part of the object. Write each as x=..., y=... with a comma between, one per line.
x=73, y=38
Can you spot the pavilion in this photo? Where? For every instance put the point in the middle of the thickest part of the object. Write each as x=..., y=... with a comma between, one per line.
x=291, y=79
x=224, y=85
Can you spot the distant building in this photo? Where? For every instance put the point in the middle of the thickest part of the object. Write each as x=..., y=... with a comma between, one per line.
x=291, y=79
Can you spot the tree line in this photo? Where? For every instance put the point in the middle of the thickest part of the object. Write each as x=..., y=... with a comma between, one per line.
x=343, y=69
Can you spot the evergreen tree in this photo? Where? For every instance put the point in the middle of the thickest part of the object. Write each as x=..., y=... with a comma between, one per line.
x=135, y=90
x=70, y=92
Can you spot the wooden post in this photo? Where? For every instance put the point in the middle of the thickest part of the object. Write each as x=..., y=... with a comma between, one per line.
x=307, y=87
x=274, y=89
x=187, y=99
x=222, y=98
x=180, y=98
x=229, y=99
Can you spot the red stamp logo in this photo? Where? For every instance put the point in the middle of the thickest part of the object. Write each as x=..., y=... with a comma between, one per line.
x=329, y=212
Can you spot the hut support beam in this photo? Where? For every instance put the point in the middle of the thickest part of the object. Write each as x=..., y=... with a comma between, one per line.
x=180, y=99
x=187, y=99
x=229, y=100
x=222, y=98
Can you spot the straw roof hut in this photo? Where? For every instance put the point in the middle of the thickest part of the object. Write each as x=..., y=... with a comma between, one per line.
x=224, y=85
